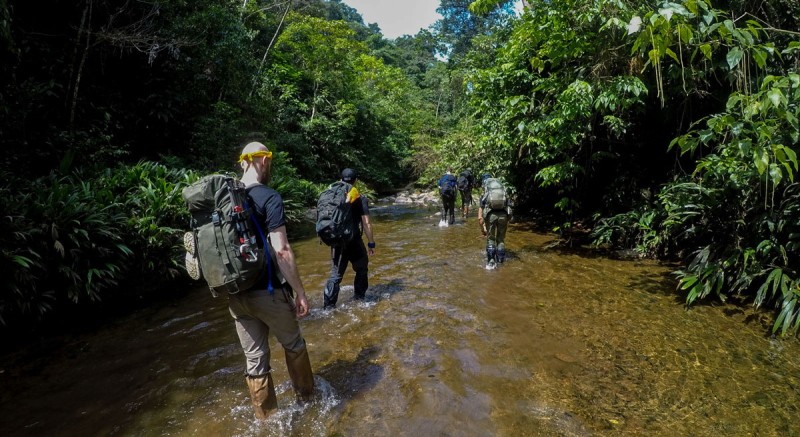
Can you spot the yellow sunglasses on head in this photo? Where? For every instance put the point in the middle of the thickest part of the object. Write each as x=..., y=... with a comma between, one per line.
x=251, y=155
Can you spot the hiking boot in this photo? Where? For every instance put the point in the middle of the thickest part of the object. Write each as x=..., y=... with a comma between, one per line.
x=300, y=373
x=190, y=260
x=262, y=394
x=491, y=254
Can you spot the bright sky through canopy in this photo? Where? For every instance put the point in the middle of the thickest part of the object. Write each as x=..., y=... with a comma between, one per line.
x=397, y=17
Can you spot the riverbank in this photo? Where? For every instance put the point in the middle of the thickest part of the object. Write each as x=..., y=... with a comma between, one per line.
x=416, y=197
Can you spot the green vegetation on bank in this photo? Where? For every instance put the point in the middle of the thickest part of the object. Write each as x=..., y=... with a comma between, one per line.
x=671, y=127
x=668, y=127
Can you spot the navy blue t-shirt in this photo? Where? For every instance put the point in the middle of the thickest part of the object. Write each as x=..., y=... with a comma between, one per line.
x=270, y=214
x=268, y=205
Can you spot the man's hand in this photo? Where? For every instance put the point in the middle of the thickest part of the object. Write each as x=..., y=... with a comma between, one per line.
x=301, y=305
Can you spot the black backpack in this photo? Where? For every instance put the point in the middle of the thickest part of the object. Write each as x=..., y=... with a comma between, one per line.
x=463, y=182
x=334, y=215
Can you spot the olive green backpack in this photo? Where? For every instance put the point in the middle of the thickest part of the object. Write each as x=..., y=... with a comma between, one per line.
x=496, y=198
x=225, y=235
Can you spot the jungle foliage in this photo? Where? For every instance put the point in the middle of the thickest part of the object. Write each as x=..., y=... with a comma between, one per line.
x=670, y=127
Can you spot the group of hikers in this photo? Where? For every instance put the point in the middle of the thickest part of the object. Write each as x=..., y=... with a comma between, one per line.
x=448, y=186
x=239, y=245
x=494, y=208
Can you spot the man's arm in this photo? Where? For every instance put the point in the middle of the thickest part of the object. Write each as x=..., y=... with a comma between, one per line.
x=286, y=262
x=367, y=226
x=480, y=218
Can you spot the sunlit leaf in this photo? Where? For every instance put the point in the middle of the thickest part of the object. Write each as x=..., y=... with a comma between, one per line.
x=634, y=25
x=775, y=173
x=761, y=161
x=776, y=97
x=666, y=13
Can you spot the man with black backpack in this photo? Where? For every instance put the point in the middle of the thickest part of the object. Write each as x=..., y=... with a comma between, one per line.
x=465, y=183
x=346, y=244
x=447, y=189
x=494, y=211
x=276, y=307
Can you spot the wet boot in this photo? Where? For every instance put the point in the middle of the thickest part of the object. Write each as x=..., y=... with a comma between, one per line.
x=262, y=392
x=501, y=254
x=490, y=255
x=300, y=373
x=330, y=295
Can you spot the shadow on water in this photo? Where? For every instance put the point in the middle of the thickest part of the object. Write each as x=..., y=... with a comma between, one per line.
x=353, y=377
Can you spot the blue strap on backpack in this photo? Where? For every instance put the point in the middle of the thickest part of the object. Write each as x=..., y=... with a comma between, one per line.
x=266, y=253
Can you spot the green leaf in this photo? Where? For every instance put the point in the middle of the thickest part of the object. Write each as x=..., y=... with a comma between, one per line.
x=760, y=57
x=776, y=97
x=706, y=49
x=775, y=173
x=734, y=57
x=672, y=55
x=761, y=161
x=22, y=261
x=705, y=136
x=685, y=33
x=733, y=100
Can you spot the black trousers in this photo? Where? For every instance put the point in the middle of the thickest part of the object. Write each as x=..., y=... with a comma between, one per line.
x=448, y=208
x=354, y=253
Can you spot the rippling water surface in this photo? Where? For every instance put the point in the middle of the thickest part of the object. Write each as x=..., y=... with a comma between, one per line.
x=552, y=343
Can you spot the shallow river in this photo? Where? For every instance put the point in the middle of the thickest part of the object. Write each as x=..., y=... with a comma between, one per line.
x=552, y=343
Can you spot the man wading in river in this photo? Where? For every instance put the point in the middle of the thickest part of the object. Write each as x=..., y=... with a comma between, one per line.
x=258, y=311
x=494, y=211
x=447, y=189
x=352, y=251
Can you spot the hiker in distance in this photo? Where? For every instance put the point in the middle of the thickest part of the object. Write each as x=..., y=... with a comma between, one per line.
x=494, y=212
x=465, y=184
x=259, y=311
x=447, y=190
x=350, y=248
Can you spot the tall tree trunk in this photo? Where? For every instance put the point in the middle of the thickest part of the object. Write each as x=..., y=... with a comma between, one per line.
x=272, y=41
x=75, y=75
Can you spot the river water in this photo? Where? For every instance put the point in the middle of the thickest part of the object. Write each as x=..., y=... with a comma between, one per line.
x=552, y=343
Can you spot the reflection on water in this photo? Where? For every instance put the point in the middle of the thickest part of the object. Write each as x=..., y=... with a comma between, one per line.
x=551, y=344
